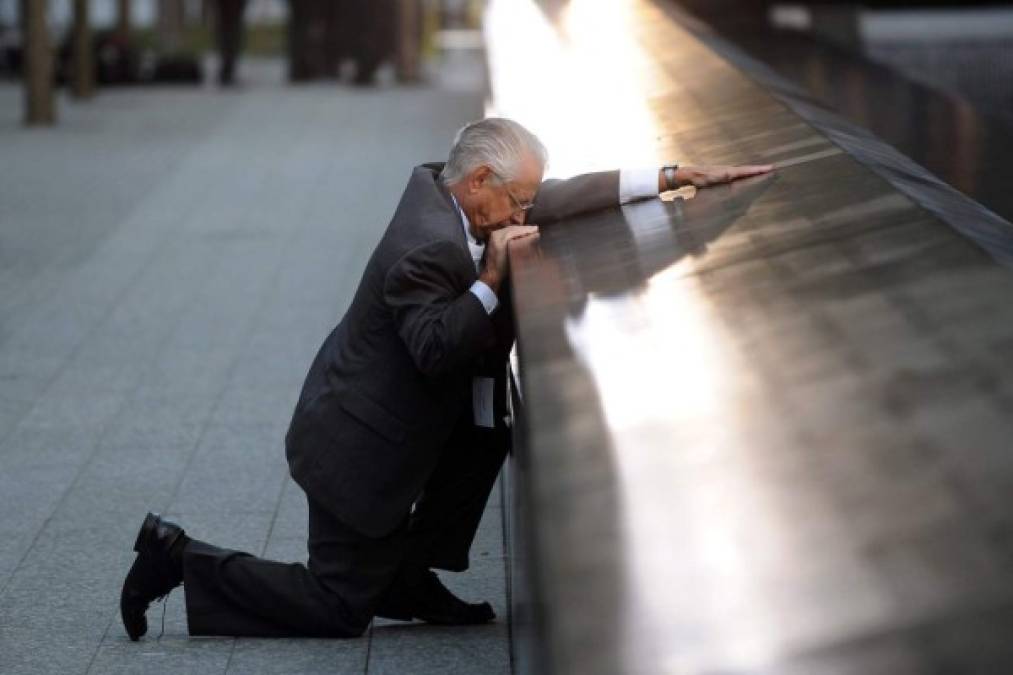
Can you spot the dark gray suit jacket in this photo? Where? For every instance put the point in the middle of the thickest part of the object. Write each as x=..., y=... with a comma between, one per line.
x=393, y=378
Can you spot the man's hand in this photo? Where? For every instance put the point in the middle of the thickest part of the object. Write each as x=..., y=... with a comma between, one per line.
x=496, y=264
x=706, y=176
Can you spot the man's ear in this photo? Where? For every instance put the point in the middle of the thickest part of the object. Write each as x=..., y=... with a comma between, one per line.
x=478, y=178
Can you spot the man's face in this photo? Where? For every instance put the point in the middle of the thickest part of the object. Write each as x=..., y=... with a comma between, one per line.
x=492, y=203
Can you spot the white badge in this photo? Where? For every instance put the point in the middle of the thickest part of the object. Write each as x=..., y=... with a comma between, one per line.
x=481, y=401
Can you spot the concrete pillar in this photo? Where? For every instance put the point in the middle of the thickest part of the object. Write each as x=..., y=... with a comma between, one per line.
x=83, y=76
x=38, y=65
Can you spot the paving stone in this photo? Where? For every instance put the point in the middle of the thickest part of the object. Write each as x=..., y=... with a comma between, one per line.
x=309, y=657
x=173, y=653
x=421, y=649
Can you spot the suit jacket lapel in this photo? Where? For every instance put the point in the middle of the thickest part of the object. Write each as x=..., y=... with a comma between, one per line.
x=459, y=235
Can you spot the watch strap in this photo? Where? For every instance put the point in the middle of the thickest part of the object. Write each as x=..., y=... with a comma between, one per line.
x=669, y=172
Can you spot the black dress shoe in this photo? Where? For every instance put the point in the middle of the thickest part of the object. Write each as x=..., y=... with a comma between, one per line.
x=425, y=597
x=152, y=575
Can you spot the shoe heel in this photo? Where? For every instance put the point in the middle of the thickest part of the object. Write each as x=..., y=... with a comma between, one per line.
x=147, y=527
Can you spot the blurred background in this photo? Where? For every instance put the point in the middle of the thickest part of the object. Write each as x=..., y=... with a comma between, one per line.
x=930, y=77
x=152, y=41
x=833, y=49
x=963, y=47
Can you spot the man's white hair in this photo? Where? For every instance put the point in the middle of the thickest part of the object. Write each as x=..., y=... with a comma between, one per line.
x=496, y=142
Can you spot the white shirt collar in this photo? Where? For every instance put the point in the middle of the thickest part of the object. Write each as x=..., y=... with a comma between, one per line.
x=466, y=223
x=476, y=247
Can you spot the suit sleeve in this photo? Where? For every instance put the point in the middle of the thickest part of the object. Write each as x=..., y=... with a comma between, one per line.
x=443, y=325
x=561, y=199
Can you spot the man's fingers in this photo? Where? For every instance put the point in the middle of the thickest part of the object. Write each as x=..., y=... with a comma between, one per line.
x=705, y=176
x=513, y=231
x=521, y=235
x=751, y=170
x=527, y=236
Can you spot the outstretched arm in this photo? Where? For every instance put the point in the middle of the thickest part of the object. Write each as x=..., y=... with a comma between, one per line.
x=561, y=199
x=706, y=176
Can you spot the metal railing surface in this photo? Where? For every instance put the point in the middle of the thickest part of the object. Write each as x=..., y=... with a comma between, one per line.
x=766, y=428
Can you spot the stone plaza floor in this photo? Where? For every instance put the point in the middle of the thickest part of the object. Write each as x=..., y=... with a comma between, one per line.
x=170, y=260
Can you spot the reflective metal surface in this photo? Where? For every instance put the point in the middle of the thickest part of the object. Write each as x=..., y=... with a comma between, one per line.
x=769, y=428
x=967, y=147
x=977, y=221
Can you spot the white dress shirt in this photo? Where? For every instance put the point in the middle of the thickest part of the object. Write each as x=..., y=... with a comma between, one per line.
x=633, y=184
x=480, y=289
x=638, y=184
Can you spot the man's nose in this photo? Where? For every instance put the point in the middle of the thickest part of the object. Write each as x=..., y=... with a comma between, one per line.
x=519, y=217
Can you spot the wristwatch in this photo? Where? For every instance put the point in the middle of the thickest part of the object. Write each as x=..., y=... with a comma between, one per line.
x=670, y=181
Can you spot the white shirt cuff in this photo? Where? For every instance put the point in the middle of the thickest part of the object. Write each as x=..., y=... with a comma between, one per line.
x=485, y=295
x=638, y=184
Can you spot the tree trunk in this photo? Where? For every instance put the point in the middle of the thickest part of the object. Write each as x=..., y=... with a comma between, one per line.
x=38, y=65
x=409, y=29
x=83, y=84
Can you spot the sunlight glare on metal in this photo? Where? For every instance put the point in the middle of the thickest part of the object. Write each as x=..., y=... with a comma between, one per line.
x=577, y=87
x=658, y=358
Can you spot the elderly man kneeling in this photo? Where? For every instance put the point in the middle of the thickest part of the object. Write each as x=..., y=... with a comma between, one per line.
x=399, y=431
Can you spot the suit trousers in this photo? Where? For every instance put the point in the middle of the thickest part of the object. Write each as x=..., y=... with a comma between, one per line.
x=348, y=574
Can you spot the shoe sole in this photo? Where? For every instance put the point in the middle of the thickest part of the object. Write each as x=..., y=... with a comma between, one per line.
x=126, y=616
x=140, y=546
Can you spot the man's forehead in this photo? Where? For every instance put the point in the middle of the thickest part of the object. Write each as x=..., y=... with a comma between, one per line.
x=530, y=175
